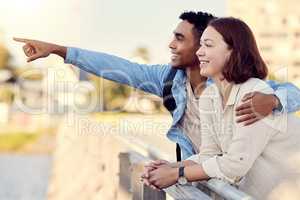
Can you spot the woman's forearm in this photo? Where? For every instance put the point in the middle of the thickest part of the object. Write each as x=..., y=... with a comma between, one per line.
x=192, y=171
x=195, y=172
x=183, y=163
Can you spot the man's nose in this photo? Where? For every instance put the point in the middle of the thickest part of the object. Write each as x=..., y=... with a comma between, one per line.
x=172, y=45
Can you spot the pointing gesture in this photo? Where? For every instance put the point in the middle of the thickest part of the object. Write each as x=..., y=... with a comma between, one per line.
x=35, y=49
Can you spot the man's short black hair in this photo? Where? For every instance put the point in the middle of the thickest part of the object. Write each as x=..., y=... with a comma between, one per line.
x=200, y=20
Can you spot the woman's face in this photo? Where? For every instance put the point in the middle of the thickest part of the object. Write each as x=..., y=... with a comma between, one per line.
x=213, y=53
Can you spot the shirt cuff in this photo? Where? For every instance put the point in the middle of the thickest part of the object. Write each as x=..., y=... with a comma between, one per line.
x=282, y=96
x=71, y=56
x=194, y=158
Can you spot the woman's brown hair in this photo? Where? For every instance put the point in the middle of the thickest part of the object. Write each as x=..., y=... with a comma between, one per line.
x=245, y=60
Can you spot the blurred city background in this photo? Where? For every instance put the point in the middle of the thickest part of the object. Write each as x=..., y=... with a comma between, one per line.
x=36, y=97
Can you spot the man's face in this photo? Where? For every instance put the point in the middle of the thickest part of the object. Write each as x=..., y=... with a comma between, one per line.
x=184, y=46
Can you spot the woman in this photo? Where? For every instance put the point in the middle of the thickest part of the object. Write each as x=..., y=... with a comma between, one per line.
x=262, y=159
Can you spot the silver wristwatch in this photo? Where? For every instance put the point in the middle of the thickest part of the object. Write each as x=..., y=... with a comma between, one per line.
x=181, y=178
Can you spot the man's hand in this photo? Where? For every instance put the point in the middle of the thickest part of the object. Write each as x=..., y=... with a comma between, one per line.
x=256, y=106
x=35, y=49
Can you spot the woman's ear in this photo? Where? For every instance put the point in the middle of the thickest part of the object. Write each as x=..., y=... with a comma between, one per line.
x=229, y=52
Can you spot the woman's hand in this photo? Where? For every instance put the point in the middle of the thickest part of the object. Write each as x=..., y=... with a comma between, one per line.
x=150, y=167
x=163, y=176
x=153, y=165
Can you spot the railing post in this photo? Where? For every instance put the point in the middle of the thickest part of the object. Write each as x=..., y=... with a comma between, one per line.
x=125, y=172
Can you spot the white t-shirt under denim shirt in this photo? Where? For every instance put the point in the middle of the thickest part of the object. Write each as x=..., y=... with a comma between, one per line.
x=190, y=121
x=265, y=154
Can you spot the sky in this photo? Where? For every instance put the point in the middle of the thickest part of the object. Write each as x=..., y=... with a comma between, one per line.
x=112, y=26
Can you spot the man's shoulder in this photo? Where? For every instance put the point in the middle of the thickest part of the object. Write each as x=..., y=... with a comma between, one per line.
x=173, y=74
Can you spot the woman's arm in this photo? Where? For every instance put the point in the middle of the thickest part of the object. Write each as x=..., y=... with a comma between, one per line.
x=246, y=145
x=195, y=172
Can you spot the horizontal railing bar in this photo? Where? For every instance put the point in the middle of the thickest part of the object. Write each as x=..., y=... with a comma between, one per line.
x=225, y=190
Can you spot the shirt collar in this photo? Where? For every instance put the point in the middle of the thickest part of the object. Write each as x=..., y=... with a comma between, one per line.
x=180, y=77
x=233, y=94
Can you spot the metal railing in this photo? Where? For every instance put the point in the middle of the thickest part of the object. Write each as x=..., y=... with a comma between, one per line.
x=131, y=167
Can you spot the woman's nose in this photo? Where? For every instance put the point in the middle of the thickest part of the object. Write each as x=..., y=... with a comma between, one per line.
x=200, y=52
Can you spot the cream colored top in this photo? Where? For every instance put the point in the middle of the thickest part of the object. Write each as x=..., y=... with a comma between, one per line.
x=262, y=159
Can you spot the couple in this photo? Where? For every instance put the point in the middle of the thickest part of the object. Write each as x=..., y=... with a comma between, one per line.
x=187, y=85
x=263, y=159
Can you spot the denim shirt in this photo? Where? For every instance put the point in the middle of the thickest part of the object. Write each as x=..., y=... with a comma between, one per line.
x=150, y=78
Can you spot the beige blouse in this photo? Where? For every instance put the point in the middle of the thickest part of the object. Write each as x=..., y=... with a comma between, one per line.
x=262, y=159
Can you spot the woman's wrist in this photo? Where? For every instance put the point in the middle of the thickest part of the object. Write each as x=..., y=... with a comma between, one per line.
x=175, y=173
x=182, y=163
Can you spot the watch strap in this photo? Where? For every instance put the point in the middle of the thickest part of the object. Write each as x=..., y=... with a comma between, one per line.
x=181, y=171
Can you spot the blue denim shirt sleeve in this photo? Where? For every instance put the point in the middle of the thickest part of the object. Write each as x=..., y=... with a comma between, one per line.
x=288, y=94
x=148, y=78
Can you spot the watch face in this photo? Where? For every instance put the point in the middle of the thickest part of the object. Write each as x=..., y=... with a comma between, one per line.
x=182, y=180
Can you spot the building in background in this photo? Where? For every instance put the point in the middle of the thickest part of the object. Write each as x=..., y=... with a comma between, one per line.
x=276, y=25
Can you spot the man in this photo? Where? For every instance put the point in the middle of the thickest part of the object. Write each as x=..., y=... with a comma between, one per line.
x=187, y=84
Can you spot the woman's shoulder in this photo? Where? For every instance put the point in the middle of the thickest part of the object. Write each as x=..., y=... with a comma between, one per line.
x=255, y=85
